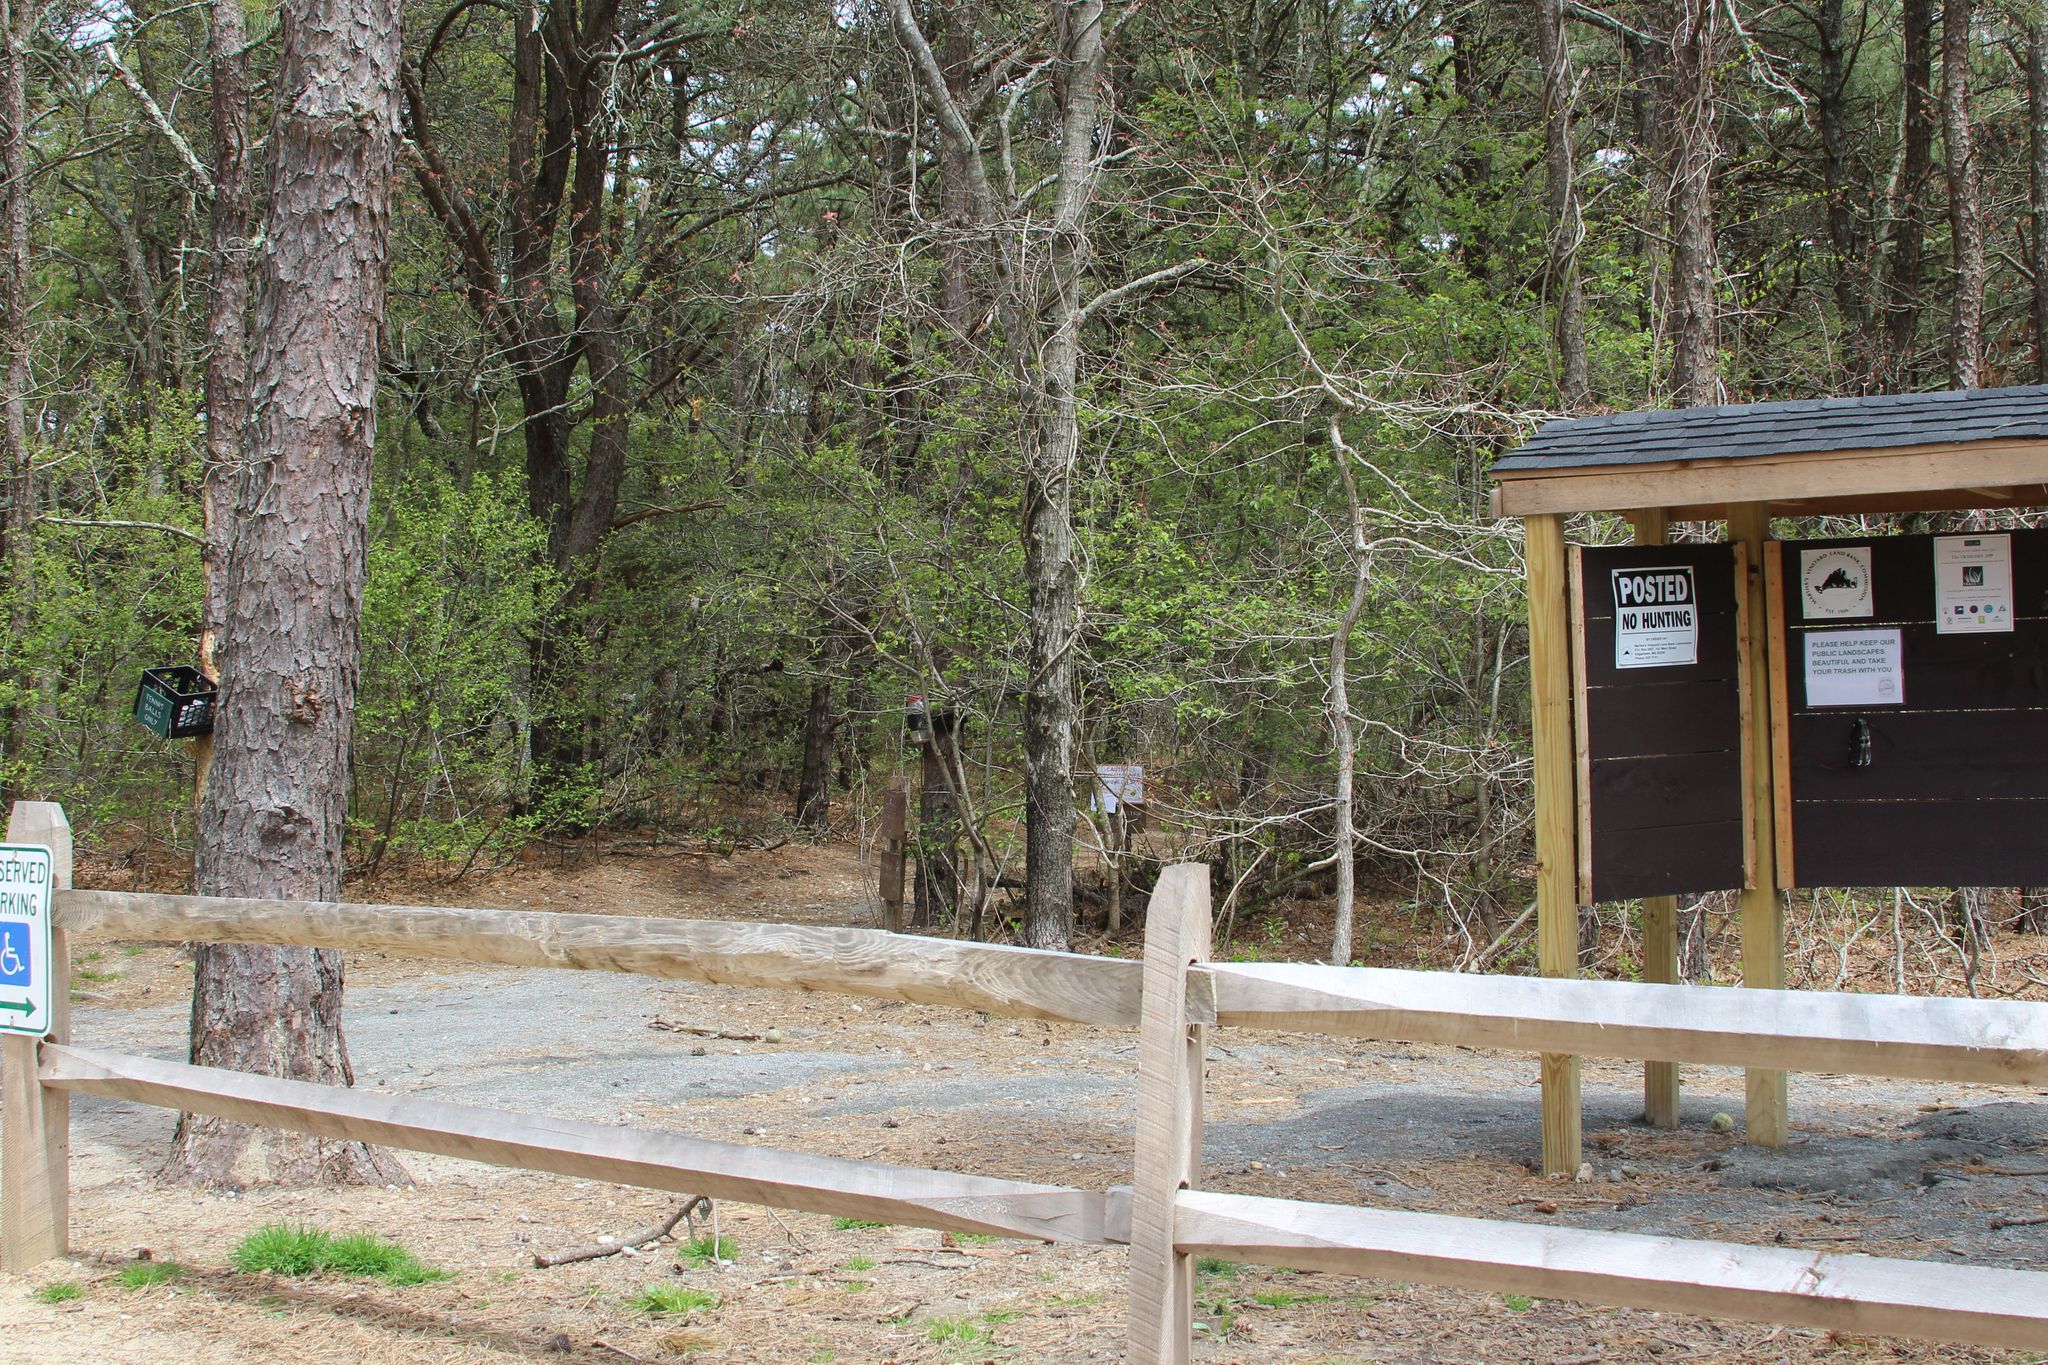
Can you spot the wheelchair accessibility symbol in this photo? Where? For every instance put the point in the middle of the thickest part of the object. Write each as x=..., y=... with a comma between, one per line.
x=14, y=954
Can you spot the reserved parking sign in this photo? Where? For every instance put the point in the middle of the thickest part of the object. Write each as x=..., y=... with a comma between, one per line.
x=25, y=951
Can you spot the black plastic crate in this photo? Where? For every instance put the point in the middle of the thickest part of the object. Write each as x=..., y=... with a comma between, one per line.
x=175, y=702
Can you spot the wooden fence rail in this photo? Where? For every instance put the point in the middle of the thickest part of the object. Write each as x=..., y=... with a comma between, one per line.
x=1172, y=997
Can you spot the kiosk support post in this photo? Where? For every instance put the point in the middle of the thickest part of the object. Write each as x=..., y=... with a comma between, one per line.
x=1763, y=905
x=1652, y=526
x=1557, y=919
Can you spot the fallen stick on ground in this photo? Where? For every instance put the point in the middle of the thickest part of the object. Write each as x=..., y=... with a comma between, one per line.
x=631, y=1239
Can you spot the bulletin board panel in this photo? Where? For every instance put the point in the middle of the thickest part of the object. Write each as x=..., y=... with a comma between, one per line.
x=1909, y=755
x=1658, y=730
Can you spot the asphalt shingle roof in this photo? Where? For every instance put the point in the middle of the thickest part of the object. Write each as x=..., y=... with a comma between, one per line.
x=1804, y=427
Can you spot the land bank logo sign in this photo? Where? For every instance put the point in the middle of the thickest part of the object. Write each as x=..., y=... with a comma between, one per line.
x=1834, y=585
x=25, y=957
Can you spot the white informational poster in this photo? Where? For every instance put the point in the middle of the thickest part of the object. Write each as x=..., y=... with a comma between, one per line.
x=1854, y=668
x=1972, y=584
x=1656, y=618
x=1118, y=784
x=1834, y=584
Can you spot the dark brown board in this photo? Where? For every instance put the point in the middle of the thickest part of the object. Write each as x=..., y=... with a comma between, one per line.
x=1673, y=861
x=1921, y=843
x=1664, y=766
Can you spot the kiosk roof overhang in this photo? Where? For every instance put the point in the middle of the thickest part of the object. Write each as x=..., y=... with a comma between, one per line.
x=1917, y=452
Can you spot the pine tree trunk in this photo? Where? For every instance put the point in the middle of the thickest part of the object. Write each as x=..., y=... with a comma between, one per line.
x=2037, y=178
x=1965, y=217
x=1561, y=192
x=1835, y=46
x=1696, y=321
x=17, y=480
x=272, y=819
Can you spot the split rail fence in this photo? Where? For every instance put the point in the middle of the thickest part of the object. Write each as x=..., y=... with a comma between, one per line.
x=1173, y=997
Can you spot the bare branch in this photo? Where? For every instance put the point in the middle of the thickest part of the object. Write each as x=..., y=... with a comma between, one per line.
x=1144, y=284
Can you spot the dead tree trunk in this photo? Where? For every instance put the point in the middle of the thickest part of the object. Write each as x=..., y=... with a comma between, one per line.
x=272, y=820
x=1965, y=216
x=1908, y=211
x=936, y=895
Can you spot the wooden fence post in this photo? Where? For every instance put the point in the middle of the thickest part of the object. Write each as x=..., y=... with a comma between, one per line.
x=35, y=1122
x=1169, y=1146
x=1556, y=775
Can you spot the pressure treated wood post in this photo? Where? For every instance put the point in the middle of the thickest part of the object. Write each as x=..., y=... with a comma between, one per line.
x=1763, y=905
x=1557, y=910
x=1169, y=1145
x=1660, y=913
x=35, y=1122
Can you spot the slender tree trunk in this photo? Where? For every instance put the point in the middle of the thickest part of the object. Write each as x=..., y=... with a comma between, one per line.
x=1696, y=323
x=1050, y=374
x=1340, y=706
x=1833, y=76
x=2037, y=177
x=272, y=820
x=227, y=320
x=1965, y=217
x=1561, y=192
x=1909, y=212
x=17, y=478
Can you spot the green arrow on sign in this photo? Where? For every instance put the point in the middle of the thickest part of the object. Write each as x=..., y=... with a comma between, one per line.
x=18, y=1006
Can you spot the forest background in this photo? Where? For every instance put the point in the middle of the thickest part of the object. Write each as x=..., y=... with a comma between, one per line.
x=1125, y=389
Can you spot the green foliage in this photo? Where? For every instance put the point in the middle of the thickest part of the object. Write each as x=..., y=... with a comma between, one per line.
x=956, y=1332
x=704, y=1250
x=674, y=1300
x=148, y=1274
x=281, y=1249
x=58, y=1291
x=853, y=1224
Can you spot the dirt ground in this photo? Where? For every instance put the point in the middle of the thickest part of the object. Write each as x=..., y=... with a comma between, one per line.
x=1890, y=1168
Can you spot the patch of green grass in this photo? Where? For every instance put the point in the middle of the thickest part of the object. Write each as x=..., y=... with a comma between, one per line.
x=282, y=1249
x=855, y=1264
x=856, y=1286
x=144, y=1274
x=849, y=1224
x=59, y=1291
x=1280, y=1298
x=700, y=1251
x=133, y=950
x=996, y=1317
x=956, y=1331
x=674, y=1300
x=1217, y=1268
x=93, y=976
x=1518, y=1303
x=976, y=1239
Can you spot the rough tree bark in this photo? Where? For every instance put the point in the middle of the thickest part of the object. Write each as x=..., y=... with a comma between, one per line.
x=1835, y=49
x=1696, y=321
x=17, y=479
x=1908, y=211
x=2037, y=177
x=271, y=822
x=1561, y=193
x=1965, y=215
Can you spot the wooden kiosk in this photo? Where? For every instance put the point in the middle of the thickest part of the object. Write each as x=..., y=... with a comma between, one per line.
x=1757, y=715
